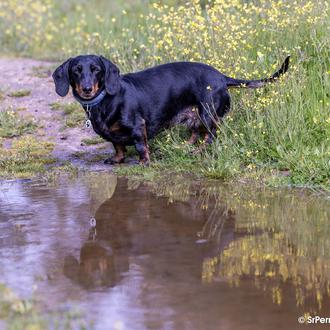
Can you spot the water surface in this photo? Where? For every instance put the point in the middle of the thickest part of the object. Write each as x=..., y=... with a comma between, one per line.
x=174, y=254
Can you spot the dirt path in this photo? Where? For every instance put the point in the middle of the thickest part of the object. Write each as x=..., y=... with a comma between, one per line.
x=35, y=76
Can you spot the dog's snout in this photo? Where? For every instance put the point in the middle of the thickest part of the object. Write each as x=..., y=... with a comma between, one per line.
x=87, y=89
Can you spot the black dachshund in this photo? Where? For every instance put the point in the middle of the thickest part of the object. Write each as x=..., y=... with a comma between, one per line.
x=129, y=109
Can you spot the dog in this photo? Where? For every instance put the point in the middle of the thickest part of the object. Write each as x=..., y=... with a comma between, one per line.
x=132, y=108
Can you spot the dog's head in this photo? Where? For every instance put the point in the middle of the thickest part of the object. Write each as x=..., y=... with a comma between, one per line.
x=87, y=75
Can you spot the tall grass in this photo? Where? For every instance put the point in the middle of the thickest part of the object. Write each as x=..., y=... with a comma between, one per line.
x=283, y=128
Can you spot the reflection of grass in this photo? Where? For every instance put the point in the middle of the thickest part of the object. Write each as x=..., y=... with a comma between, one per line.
x=20, y=93
x=74, y=114
x=25, y=158
x=13, y=125
x=24, y=314
x=283, y=237
x=272, y=261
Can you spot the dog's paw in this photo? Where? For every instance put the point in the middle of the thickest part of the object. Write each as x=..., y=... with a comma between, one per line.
x=114, y=160
x=144, y=162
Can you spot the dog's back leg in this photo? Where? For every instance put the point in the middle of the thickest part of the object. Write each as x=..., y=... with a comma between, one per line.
x=141, y=142
x=211, y=112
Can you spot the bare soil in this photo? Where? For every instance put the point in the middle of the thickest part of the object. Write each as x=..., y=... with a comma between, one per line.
x=35, y=76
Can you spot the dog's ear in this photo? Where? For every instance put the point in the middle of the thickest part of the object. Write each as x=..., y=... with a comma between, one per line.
x=61, y=78
x=111, y=79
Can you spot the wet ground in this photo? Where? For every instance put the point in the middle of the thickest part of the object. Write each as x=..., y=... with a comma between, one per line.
x=175, y=254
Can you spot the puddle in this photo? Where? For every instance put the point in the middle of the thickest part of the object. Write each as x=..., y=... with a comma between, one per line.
x=172, y=255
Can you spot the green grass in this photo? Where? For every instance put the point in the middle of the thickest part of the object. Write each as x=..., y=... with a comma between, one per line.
x=20, y=93
x=11, y=124
x=79, y=154
x=26, y=314
x=73, y=112
x=92, y=141
x=282, y=128
x=57, y=105
x=20, y=108
x=25, y=158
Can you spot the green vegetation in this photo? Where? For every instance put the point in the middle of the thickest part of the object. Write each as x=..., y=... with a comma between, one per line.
x=20, y=108
x=92, y=141
x=11, y=124
x=74, y=114
x=277, y=245
x=282, y=128
x=26, y=158
x=79, y=154
x=25, y=314
x=20, y=93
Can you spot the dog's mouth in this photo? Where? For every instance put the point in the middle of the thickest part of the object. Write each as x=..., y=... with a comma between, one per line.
x=87, y=94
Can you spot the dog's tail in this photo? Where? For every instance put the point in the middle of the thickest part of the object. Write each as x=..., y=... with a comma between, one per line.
x=231, y=82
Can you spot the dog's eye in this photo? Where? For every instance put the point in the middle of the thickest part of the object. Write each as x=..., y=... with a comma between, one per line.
x=77, y=69
x=95, y=69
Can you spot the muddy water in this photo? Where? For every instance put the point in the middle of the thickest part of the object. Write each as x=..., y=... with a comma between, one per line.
x=174, y=254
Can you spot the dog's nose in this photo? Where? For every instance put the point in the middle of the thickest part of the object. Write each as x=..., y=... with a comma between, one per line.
x=87, y=89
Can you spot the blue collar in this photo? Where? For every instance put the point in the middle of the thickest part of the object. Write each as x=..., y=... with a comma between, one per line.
x=93, y=102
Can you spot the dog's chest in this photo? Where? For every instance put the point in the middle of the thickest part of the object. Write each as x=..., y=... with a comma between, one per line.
x=111, y=130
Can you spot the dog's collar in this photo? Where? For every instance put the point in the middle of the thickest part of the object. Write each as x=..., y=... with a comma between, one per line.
x=93, y=102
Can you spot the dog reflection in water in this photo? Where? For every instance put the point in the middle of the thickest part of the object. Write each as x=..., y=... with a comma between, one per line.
x=166, y=233
x=96, y=266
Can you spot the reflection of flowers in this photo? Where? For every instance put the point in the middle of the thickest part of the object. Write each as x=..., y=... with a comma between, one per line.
x=283, y=237
x=277, y=249
x=271, y=258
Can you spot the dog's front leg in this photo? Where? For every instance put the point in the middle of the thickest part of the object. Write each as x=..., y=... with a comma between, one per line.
x=119, y=157
x=141, y=143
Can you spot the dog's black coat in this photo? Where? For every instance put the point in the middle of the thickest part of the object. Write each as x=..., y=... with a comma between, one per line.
x=138, y=105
